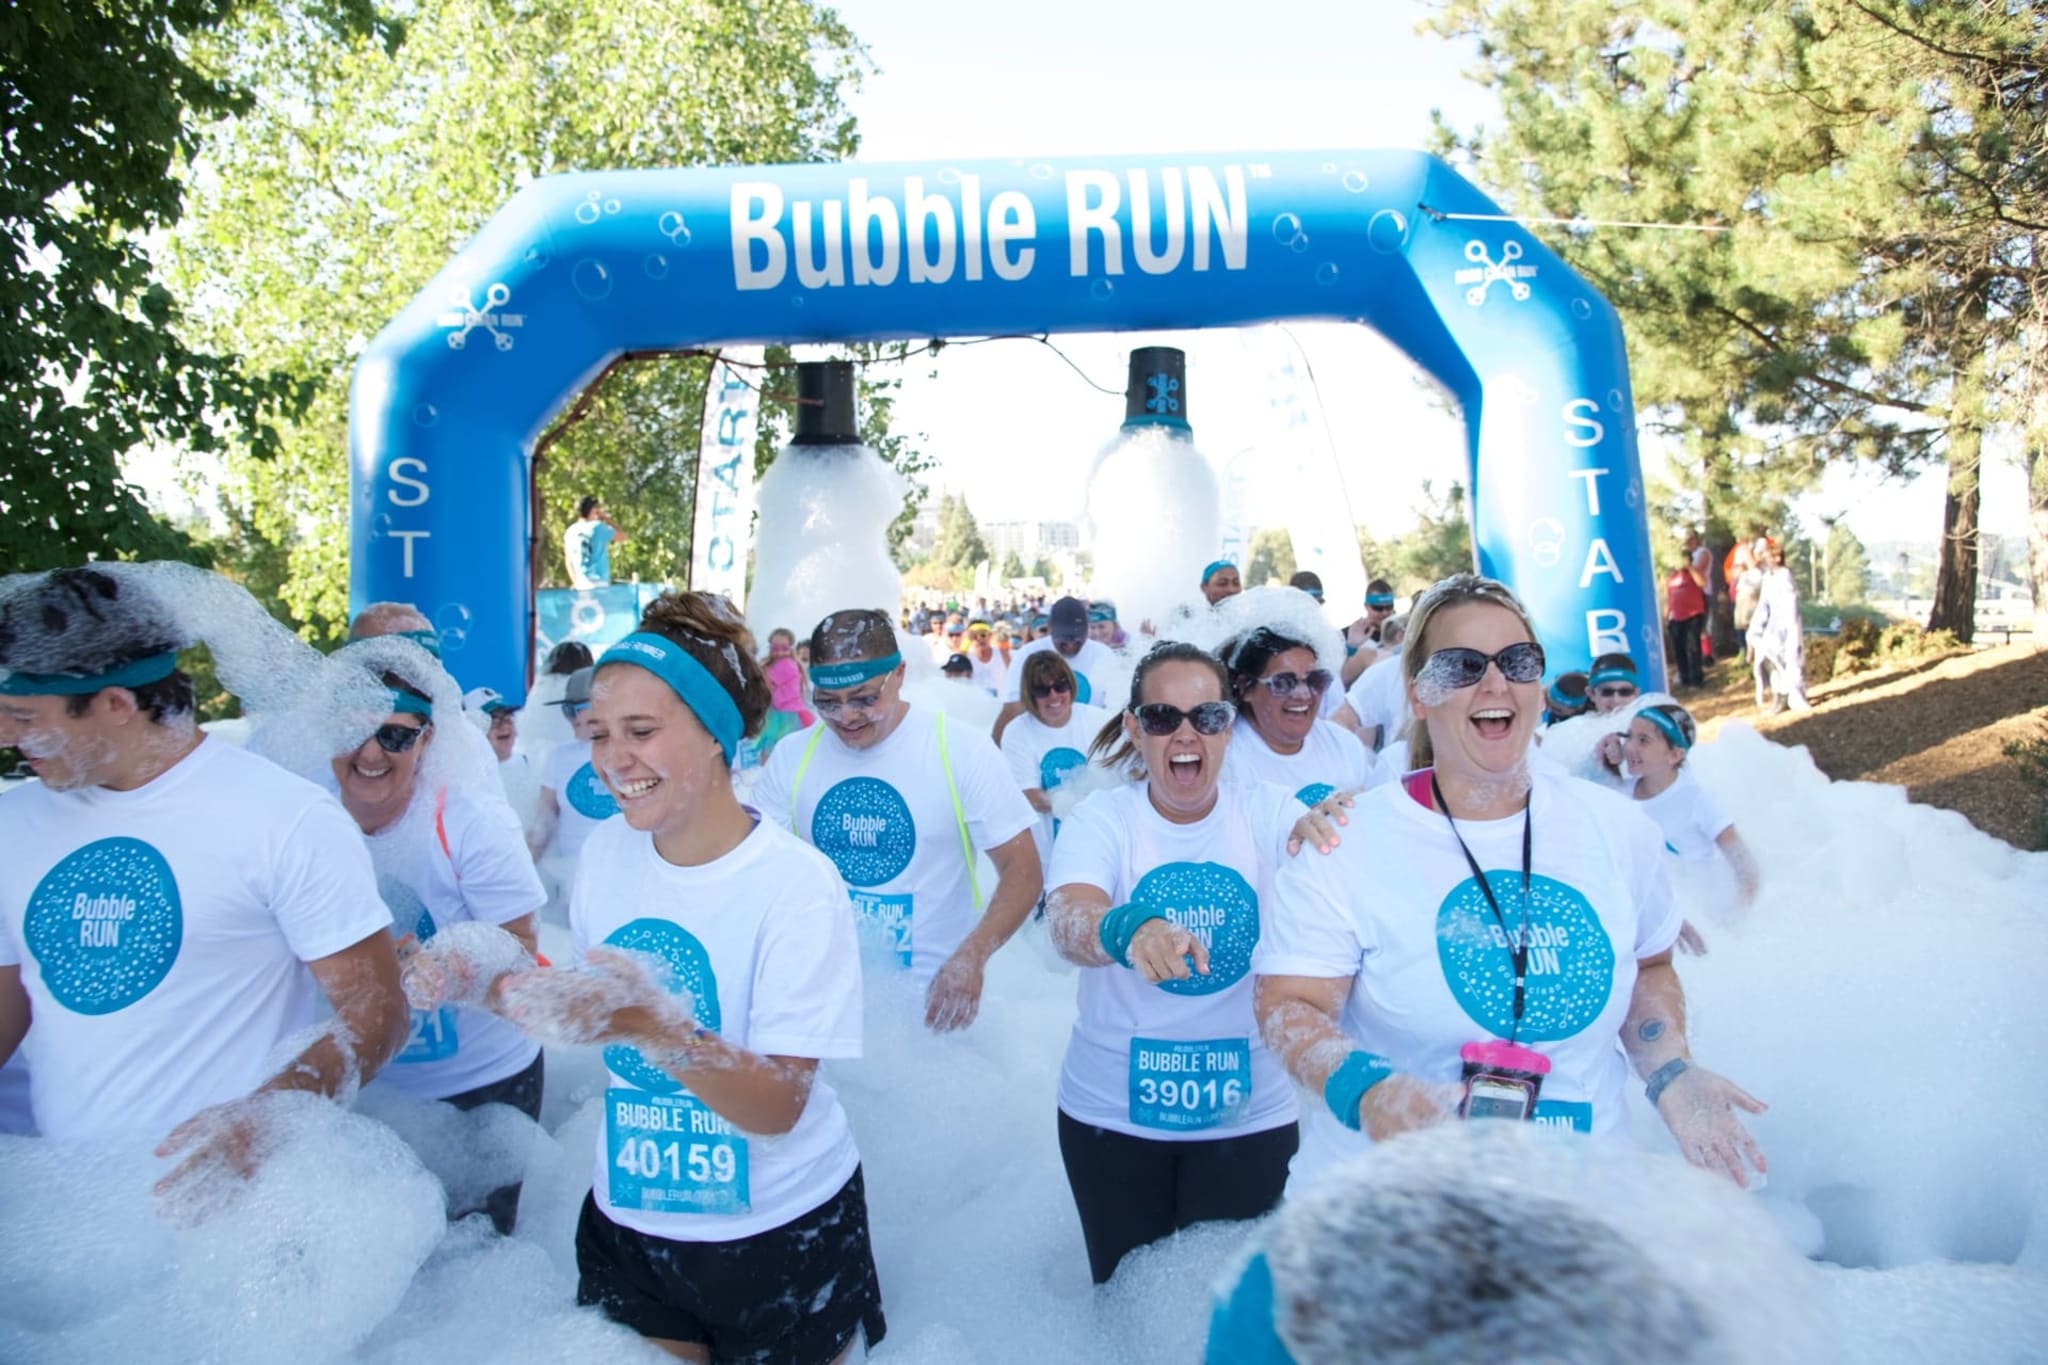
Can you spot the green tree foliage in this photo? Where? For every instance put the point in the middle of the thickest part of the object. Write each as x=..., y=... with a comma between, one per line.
x=1271, y=559
x=1013, y=566
x=102, y=102
x=1437, y=546
x=958, y=545
x=1877, y=164
x=353, y=174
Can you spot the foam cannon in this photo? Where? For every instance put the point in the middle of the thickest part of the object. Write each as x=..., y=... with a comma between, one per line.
x=826, y=505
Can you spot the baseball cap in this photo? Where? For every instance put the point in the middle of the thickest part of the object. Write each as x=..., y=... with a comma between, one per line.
x=1069, y=619
x=577, y=691
x=957, y=663
x=487, y=700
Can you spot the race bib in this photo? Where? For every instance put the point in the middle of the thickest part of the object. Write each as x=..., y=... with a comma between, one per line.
x=432, y=1038
x=887, y=915
x=1183, y=1086
x=672, y=1154
x=1575, y=1115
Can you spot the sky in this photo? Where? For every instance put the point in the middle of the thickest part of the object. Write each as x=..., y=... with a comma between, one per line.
x=1094, y=77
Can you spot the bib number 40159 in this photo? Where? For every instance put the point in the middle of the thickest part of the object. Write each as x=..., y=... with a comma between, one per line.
x=673, y=1154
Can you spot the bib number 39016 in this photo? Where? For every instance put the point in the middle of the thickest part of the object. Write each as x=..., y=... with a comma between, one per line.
x=1183, y=1085
x=432, y=1038
x=673, y=1154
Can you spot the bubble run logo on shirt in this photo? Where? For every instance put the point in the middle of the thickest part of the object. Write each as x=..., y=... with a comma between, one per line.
x=689, y=970
x=1057, y=763
x=863, y=825
x=105, y=925
x=589, y=796
x=1314, y=794
x=1571, y=959
x=1217, y=906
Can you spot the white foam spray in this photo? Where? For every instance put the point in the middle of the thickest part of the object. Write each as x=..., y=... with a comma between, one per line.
x=823, y=543
x=1153, y=520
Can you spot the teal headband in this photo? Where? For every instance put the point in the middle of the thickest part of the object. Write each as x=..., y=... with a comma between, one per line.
x=407, y=703
x=1379, y=599
x=689, y=680
x=151, y=668
x=1558, y=698
x=1101, y=615
x=1608, y=675
x=852, y=672
x=429, y=640
x=1213, y=568
x=1671, y=728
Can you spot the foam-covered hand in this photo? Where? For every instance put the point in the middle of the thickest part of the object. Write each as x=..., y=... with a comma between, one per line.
x=612, y=998
x=1698, y=1106
x=1163, y=951
x=460, y=964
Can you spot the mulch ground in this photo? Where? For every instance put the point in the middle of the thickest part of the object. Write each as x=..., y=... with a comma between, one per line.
x=1934, y=727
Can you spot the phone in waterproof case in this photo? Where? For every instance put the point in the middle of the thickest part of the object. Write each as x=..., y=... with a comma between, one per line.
x=1502, y=1080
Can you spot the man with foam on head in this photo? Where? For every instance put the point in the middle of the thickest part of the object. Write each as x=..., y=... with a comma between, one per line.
x=172, y=909
x=1091, y=660
x=903, y=803
x=409, y=622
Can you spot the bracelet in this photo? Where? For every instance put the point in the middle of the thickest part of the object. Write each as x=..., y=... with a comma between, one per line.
x=1120, y=926
x=1360, y=1072
x=1664, y=1076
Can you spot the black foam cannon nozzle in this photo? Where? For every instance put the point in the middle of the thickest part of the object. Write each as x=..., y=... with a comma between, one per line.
x=825, y=413
x=1157, y=394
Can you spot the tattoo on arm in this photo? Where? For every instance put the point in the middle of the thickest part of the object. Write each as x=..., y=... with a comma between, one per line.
x=1650, y=1030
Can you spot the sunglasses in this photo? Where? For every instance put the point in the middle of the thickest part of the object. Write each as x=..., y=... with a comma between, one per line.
x=1159, y=720
x=1455, y=668
x=1043, y=690
x=867, y=701
x=394, y=738
x=1617, y=692
x=1316, y=681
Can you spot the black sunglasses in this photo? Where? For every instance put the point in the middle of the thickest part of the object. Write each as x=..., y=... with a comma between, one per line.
x=394, y=738
x=1159, y=720
x=1458, y=667
x=1614, y=692
x=1043, y=690
x=1287, y=684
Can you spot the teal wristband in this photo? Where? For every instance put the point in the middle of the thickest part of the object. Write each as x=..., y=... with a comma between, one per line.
x=1120, y=926
x=1347, y=1085
x=1664, y=1076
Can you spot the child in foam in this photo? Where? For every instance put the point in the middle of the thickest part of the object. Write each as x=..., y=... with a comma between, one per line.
x=1171, y=1109
x=901, y=801
x=1278, y=685
x=1475, y=904
x=442, y=862
x=173, y=907
x=1696, y=828
x=1048, y=745
x=728, y=1218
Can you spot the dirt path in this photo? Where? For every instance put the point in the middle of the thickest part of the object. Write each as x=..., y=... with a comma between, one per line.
x=1935, y=728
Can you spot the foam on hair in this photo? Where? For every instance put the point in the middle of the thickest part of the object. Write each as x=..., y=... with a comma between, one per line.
x=707, y=628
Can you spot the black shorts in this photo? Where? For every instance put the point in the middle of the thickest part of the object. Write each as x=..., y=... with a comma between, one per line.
x=792, y=1295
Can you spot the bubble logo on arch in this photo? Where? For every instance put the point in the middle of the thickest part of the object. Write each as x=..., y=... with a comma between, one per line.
x=1057, y=763
x=689, y=968
x=864, y=827
x=589, y=796
x=1217, y=906
x=1571, y=959
x=105, y=925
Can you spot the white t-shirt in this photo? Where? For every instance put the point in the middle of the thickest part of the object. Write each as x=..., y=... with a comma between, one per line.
x=1396, y=908
x=761, y=941
x=1690, y=817
x=1379, y=696
x=1041, y=757
x=1330, y=760
x=885, y=818
x=990, y=674
x=162, y=934
x=583, y=799
x=484, y=874
x=1182, y=1061
x=1091, y=666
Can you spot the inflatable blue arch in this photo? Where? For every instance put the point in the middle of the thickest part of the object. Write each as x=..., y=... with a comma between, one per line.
x=579, y=269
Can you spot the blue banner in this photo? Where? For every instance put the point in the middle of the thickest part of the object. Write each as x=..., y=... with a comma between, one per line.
x=595, y=616
x=581, y=268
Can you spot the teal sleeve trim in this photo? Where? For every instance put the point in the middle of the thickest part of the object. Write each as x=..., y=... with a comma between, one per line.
x=1120, y=926
x=1347, y=1085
